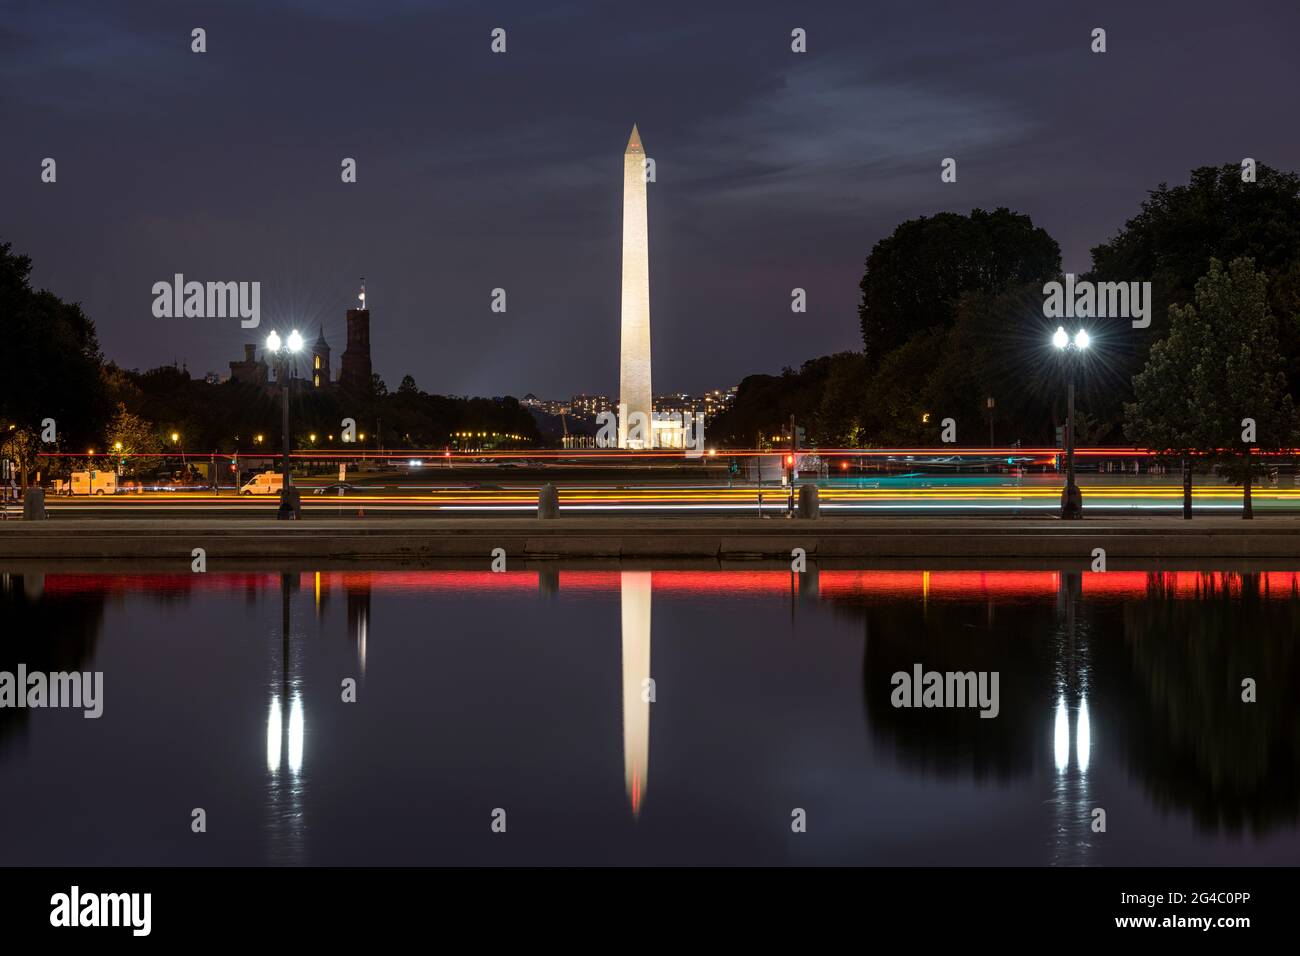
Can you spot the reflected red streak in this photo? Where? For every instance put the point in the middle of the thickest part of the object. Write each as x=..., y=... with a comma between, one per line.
x=158, y=583
x=934, y=586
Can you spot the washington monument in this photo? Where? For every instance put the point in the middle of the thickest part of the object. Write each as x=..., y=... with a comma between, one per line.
x=634, y=395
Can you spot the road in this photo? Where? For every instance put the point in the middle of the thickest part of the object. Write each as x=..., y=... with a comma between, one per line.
x=946, y=495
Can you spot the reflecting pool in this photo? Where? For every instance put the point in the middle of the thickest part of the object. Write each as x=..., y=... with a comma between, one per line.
x=651, y=717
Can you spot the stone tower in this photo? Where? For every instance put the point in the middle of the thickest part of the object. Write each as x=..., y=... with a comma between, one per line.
x=354, y=376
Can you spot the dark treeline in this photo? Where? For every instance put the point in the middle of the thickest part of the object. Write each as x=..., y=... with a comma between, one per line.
x=951, y=316
x=229, y=416
x=53, y=371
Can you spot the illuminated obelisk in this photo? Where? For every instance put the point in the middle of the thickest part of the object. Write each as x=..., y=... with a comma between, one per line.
x=636, y=589
x=634, y=394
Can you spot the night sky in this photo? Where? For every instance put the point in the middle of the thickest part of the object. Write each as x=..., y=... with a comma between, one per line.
x=477, y=171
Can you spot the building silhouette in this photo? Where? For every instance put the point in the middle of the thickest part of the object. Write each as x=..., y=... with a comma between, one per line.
x=251, y=371
x=320, y=361
x=354, y=376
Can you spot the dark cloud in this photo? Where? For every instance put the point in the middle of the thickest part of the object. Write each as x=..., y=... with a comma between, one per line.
x=477, y=171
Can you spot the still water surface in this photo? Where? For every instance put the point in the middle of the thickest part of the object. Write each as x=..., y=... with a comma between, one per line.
x=525, y=692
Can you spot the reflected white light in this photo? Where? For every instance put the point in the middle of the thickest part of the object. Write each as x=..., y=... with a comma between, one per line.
x=363, y=628
x=1060, y=339
x=273, y=342
x=274, y=731
x=1061, y=736
x=1081, y=340
x=1083, y=737
x=295, y=736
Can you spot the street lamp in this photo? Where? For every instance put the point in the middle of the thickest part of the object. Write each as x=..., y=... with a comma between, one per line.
x=284, y=351
x=1071, y=350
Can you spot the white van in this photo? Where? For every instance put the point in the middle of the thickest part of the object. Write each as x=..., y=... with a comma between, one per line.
x=267, y=483
x=93, y=483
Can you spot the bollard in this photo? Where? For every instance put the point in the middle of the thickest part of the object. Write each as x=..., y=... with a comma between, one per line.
x=34, y=505
x=548, y=582
x=548, y=501
x=809, y=503
x=290, y=505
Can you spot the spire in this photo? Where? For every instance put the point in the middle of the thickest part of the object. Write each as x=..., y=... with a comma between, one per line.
x=320, y=339
x=634, y=144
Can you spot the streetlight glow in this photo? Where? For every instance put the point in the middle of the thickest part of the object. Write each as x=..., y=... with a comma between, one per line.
x=1071, y=350
x=289, y=502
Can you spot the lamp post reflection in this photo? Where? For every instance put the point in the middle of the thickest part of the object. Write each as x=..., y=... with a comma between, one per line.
x=1073, y=838
x=285, y=739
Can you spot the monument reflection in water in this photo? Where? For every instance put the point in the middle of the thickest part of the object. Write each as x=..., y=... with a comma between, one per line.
x=1120, y=692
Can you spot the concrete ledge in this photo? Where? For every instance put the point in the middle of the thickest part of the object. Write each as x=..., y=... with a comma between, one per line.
x=710, y=539
x=571, y=546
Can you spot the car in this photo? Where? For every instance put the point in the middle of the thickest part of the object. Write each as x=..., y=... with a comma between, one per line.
x=338, y=488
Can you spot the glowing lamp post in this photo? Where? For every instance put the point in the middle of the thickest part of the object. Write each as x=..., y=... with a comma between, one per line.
x=1071, y=350
x=284, y=351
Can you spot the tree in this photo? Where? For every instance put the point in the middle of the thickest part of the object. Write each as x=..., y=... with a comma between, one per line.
x=1165, y=416
x=407, y=386
x=915, y=277
x=839, y=419
x=1217, y=369
x=764, y=403
x=1170, y=242
x=50, y=359
x=139, y=442
x=995, y=348
x=21, y=446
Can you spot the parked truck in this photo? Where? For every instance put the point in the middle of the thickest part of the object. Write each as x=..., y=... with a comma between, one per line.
x=88, y=483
